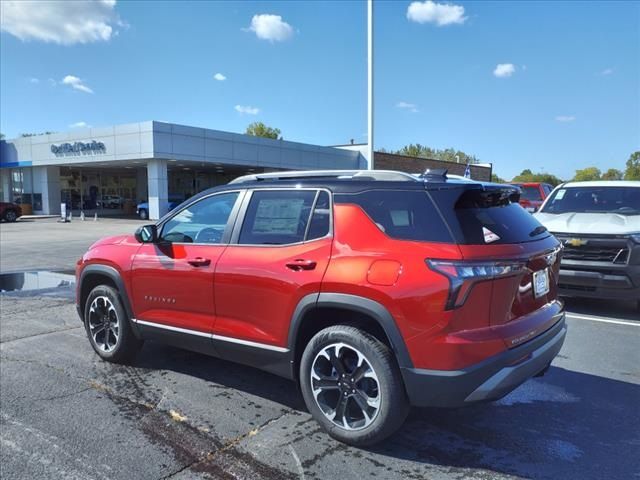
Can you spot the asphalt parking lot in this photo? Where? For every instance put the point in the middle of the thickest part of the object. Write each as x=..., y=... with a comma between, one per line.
x=64, y=413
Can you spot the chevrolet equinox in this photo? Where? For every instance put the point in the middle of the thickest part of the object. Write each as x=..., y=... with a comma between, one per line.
x=373, y=290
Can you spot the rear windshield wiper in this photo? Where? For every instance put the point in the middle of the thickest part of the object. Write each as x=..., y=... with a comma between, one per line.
x=537, y=231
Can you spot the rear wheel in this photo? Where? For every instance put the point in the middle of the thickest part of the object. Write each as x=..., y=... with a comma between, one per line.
x=143, y=214
x=352, y=385
x=108, y=326
x=10, y=215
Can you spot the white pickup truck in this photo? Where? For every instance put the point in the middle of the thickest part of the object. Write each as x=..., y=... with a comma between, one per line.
x=599, y=226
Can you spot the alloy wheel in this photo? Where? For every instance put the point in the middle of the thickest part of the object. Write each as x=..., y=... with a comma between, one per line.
x=103, y=324
x=10, y=216
x=345, y=386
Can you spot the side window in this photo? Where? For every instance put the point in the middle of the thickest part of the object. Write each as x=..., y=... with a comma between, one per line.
x=405, y=215
x=201, y=222
x=320, y=223
x=277, y=217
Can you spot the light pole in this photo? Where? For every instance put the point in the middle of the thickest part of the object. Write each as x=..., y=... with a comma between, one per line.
x=370, y=84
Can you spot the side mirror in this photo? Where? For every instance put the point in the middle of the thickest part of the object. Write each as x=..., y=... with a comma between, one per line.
x=147, y=234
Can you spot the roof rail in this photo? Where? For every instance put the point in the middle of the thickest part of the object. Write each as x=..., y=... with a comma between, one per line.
x=379, y=175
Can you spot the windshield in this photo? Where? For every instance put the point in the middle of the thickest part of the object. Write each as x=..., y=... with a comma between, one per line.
x=622, y=200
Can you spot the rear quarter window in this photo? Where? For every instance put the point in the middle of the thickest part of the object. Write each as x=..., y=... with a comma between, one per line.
x=401, y=214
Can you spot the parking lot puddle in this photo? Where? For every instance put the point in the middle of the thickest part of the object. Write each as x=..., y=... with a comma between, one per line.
x=35, y=281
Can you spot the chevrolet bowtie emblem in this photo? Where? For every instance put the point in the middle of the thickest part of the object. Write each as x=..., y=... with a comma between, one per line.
x=576, y=242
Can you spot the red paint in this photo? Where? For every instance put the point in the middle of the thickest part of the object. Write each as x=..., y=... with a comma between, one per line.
x=251, y=292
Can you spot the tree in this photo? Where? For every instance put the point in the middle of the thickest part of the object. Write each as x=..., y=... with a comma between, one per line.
x=259, y=129
x=446, y=155
x=612, y=174
x=633, y=167
x=1, y=136
x=587, y=174
x=496, y=179
x=528, y=176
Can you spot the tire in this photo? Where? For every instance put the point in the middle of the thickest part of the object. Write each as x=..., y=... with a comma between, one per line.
x=104, y=307
x=376, y=385
x=10, y=216
x=143, y=214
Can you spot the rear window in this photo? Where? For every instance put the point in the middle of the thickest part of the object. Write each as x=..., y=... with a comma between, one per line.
x=622, y=200
x=530, y=193
x=401, y=214
x=481, y=217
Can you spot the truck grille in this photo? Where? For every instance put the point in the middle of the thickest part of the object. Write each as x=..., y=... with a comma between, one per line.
x=596, y=253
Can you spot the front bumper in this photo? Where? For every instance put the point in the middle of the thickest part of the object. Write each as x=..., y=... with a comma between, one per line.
x=488, y=380
x=592, y=279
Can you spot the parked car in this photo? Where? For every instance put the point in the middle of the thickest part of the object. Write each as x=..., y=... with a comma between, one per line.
x=532, y=194
x=10, y=212
x=599, y=225
x=142, y=209
x=374, y=290
x=111, y=201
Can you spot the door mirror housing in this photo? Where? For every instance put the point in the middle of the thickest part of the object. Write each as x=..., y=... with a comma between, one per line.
x=147, y=234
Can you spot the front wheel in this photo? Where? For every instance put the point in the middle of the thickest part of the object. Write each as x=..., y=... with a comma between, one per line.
x=10, y=216
x=143, y=214
x=108, y=326
x=352, y=385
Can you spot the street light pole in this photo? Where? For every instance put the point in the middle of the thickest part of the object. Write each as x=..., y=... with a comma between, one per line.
x=370, y=84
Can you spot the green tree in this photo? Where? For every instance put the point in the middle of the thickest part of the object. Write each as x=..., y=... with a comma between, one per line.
x=259, y=129
x=1, y=136
x=446, y=155
x=496, y=179
x=633, y=167
x=612, y=174
x=587, y=174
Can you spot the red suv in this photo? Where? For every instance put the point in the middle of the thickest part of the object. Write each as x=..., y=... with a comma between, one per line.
x=533, y=194
x=373, y=290
x=10, y=212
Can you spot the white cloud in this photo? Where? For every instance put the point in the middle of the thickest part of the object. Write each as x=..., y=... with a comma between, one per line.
x=504, y=70
x=565, y=118
x=52, y=82
x=245, y=109
x=220, y=77
x=439, y=13
x=270, y=27
x=412, y=107
x=34, y=80
x=60, y=21
x=76, y=83
x=79, y=125
x=606, y=71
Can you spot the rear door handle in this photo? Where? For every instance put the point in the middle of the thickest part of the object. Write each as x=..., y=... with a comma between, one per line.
x=301, y=264
x=199, y=262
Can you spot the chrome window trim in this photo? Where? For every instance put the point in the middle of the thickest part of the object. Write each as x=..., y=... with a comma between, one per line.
x=212, y=336
x=234, y=213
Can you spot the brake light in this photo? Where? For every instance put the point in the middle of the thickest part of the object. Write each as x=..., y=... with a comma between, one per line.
x=463, y=275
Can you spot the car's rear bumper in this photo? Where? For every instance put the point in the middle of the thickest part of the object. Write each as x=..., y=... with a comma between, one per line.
x=488, y=380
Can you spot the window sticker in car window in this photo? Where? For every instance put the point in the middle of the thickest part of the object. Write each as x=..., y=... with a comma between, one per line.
x=560, y=194
x=278, y=216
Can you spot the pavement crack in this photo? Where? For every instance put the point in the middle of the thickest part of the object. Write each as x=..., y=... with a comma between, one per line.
x=40, y=334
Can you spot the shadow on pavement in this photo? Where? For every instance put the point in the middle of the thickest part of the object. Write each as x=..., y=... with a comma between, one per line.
x=565, y=425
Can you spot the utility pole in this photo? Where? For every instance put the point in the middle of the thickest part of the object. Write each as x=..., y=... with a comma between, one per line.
x=370, y=84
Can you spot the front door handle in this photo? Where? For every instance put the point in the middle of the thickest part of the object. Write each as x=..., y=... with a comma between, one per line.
x=301, y=264
x=199, y=262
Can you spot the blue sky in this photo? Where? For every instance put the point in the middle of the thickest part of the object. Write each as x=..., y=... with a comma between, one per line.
x=543, y=85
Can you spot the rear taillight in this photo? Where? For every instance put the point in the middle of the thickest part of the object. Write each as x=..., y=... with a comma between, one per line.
x=463, y=275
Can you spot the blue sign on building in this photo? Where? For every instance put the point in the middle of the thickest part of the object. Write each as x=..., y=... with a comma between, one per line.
x=78, y=147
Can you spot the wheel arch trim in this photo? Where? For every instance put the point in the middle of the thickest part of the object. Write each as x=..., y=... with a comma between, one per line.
x=114, y=275
x=366, y=306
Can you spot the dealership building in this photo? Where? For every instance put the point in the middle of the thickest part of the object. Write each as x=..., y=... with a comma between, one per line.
x=110, y=169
